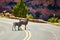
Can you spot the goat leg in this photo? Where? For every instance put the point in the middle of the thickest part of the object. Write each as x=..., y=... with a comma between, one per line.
x=25, y=27
x=18, y=28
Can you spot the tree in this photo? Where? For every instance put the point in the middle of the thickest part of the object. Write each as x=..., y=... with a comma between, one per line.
x=20, y=10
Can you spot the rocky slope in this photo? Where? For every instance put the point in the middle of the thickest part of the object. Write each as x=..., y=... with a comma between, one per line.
x=43, y=9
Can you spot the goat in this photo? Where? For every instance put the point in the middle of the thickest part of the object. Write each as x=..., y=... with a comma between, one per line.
x=25, y=22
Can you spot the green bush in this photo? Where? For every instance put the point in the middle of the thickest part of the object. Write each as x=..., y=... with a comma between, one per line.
x=53, y=20
x=30, y=16
x=58, y=20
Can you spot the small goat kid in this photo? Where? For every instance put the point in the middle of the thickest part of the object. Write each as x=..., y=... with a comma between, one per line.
x=25, y=22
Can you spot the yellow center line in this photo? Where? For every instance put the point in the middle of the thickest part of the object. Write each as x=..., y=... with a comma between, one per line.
x=26, y=35
x=29, y=35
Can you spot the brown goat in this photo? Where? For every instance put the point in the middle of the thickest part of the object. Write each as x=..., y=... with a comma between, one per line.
x=24, y=22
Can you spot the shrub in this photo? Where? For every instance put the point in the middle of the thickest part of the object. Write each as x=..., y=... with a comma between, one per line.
x=30, y=16
x=53, y=20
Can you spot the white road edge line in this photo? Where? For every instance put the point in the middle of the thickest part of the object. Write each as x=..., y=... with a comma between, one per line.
x=52, y=33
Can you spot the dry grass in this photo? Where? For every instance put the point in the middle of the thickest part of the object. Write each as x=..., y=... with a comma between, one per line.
x=58, y=24
x=2, y=16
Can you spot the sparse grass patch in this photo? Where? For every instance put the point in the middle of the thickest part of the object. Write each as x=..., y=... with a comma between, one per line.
x=2, y=16
x=58, y=20
x=58, y=24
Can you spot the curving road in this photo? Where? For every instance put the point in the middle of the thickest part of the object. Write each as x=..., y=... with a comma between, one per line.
x=35, y=31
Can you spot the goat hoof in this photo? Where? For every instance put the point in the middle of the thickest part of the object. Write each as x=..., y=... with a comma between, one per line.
x=25, y=29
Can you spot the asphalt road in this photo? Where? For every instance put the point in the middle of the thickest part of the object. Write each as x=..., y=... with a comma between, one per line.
x=42, y=31
x=35, y=31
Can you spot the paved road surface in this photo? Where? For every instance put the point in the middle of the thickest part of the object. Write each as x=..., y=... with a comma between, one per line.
x=41, y=31
x=38, y=31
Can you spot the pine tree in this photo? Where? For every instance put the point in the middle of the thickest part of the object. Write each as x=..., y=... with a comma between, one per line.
x=20, y=10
